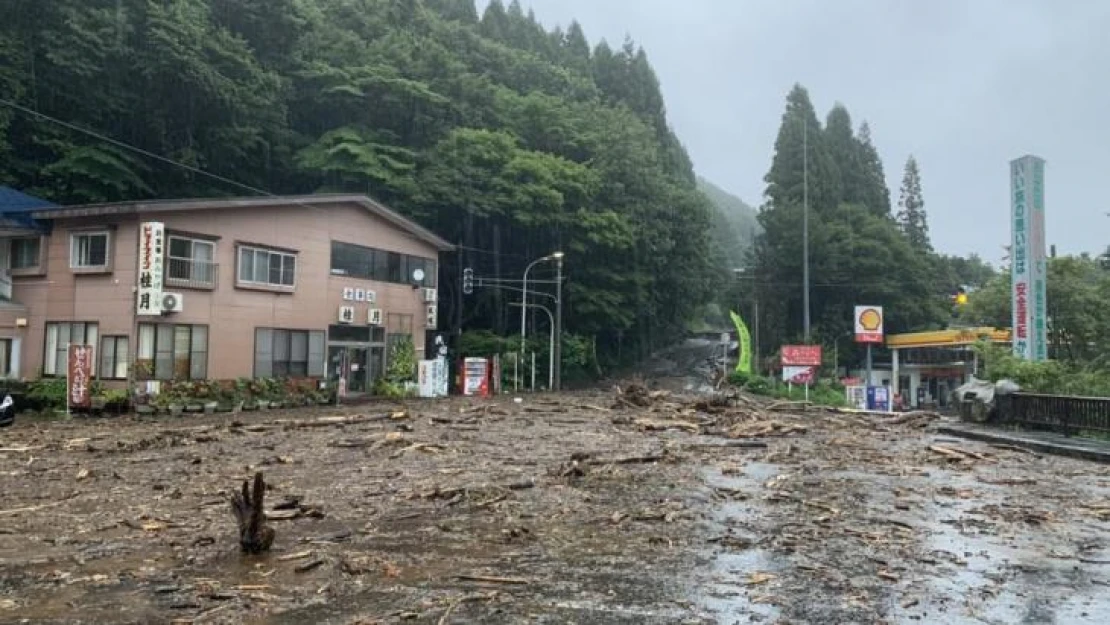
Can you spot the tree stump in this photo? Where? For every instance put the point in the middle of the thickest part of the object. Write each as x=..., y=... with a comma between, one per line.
x=254, y=535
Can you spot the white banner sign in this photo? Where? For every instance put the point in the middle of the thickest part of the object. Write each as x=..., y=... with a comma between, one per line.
x=1028, y=263
x=152, y=235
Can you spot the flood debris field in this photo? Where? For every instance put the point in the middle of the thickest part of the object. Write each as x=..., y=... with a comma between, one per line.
x=619, y=507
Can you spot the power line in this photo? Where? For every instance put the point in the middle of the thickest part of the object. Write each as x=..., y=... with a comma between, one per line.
x=158, y=157
x=169, y=161
x=132, y=148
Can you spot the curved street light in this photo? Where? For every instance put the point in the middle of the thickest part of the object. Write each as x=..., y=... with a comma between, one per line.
x=554, y=256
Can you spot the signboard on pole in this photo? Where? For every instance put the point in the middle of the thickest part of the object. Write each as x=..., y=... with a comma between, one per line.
x=869, y=324
x=152, y=235
x=1028, y=263
x=801, y=355
x=79, y=376
x=798, y=374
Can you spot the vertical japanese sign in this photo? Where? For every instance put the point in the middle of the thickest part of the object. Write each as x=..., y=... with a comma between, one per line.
x=152, y=236
x=79, y=376
x=1028, y=263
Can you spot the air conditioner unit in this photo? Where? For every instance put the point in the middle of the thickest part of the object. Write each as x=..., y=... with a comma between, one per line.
x=433, y=313
x=374, y=318
x=172, y=302
x=346, y=314
x=429, y=296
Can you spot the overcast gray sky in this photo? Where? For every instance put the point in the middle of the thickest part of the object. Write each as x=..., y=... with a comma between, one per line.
x=964, y=85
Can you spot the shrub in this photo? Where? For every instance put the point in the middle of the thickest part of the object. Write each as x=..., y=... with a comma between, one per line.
x=48, y=393
x=1049, y=377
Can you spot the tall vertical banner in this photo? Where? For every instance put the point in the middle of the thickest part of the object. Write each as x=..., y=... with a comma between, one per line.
x=79, y=376
x=744, y=339
x=1028, y=263
x=152, y=235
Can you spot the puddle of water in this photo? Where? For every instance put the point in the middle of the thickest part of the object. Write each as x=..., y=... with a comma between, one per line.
x=997, y=572
x=723, y=590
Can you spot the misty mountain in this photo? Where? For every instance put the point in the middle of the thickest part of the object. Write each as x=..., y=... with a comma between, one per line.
x=734, y=223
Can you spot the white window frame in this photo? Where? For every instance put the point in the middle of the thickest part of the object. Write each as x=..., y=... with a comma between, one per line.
x=75, y=236
x=193, y=242
x=119, y=342
x=55, y=353
x=256, y=251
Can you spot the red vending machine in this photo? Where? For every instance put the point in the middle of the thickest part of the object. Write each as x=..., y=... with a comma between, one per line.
x=475, y=377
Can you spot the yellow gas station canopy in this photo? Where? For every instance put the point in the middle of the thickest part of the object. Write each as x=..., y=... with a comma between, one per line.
x=947, y=338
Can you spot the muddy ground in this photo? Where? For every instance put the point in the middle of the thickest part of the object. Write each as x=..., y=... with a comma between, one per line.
x=560, y=509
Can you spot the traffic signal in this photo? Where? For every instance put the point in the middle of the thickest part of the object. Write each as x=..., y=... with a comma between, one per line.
x=468, y=281
x=959, y=300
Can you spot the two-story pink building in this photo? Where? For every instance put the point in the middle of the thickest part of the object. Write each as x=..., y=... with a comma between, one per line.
x=255, y=287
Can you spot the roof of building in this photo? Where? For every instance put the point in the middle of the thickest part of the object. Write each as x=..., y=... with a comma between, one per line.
x=309, y=201
x=16, y=208
x=12, y=201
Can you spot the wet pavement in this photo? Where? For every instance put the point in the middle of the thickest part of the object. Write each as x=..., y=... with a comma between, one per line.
x=567, y=509
x=1093, y=449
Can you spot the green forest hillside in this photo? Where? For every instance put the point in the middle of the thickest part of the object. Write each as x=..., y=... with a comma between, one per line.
x=735, y=223
x=512, y=140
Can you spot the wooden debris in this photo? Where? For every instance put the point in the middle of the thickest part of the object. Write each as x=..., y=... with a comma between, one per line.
x=308, y=566
x=787, y=406
x=957, y=454
x=254, y=535
x=655, y=426
x=759, y=578
x=492, y=579
x=765, y=428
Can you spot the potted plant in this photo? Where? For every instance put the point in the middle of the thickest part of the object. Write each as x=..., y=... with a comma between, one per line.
x=143, y=404
x=276, y=393
x=209, y=393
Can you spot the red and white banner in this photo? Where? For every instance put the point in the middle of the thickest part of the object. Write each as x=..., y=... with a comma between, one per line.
x=79, y=376
x=801, y=355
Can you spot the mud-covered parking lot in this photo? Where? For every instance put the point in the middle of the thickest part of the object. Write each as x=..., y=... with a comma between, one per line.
x=578, y=508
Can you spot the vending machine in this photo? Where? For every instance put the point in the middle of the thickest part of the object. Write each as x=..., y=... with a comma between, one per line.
x=475, y=377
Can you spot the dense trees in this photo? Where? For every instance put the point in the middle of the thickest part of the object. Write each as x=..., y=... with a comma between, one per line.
x=1078, y=296
x=509, y=139
x=858, y=252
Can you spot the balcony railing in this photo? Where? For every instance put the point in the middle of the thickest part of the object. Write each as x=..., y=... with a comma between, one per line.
x=189, y=273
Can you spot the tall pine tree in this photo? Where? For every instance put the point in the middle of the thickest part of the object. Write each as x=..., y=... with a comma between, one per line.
x=911, y=208
x=801, y=134
x=877, y=195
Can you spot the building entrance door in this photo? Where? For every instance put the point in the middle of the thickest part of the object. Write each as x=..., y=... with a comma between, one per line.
x=349, y=364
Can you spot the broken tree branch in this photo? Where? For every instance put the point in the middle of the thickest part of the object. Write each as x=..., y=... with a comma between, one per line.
x=254, y=535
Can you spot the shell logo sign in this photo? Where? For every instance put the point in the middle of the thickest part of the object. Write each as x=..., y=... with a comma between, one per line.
x=869, y=324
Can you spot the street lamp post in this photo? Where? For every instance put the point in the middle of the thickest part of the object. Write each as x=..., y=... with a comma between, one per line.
x=550, y=344
x=556, y=256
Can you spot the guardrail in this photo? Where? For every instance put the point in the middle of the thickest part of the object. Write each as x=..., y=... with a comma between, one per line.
x=1058, y=413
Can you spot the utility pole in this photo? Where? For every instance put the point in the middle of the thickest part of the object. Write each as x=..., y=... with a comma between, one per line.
x=805, y=228
x=558, y=386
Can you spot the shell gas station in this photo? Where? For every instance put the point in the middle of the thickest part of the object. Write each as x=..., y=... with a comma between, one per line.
x=924, y=367
x=927, y=366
